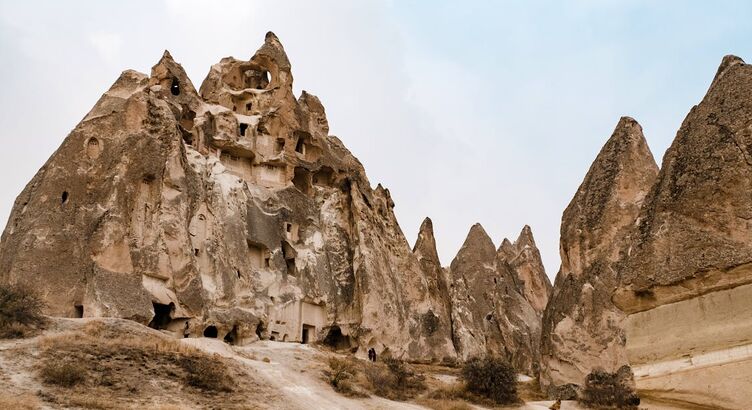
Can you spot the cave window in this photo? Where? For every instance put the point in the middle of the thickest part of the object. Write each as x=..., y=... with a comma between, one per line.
x=260, y=329
x=238, y=272
x=489, y=316
x=243, y=127
x=290, y=266
x=232, y=336
x=211, y=331
x=495, y=281
x=248, y=107
x=280, y=146
x=300, y=146
x=79, y=311
x=288, y=227
x=288, y=253
x=92, y=148
x=195, y=252
x=64, y=197
x=302, y=180
x=162, y=315
x=175, y=87
x=267, y=261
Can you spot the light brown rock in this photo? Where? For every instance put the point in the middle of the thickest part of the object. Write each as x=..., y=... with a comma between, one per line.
x=686, y=280
x=582, y=330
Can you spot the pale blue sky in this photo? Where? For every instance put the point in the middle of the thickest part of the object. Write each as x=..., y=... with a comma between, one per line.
x=469, y=112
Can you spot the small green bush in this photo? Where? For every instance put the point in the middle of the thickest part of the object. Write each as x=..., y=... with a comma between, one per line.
x=491, y=378
x=20, y=311
x=63, y=373
x=206, y=373
x=610, y=390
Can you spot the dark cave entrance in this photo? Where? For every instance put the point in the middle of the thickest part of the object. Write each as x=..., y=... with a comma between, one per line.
x=232, y=336
x=79, y=311
x=162, y=315
x=336, y=340
x=175, y=87
x=211, y=331
x=308, y=333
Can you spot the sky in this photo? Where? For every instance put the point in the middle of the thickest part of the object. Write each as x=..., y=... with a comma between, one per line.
x=469, y=112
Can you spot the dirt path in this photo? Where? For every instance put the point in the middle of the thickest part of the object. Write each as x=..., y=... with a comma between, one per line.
x=295, y=370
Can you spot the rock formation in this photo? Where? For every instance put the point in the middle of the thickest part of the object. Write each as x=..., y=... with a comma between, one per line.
x=582, y=330
x=490, y=314
x=686, y=281
x=524, y=258
x=230, y=212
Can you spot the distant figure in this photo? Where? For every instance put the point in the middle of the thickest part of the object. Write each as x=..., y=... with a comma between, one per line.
x=556, y=406
x=372, y=354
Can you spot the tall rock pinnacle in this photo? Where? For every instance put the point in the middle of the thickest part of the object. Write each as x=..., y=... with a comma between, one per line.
x=489, y=313
x=581, y=327
x=525, y=260
x=686, y=281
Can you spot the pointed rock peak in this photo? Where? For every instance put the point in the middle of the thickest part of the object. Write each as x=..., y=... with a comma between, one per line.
x=727, y=62
x=506, y=250
x=271, y=37
x=172, y=77
x=425, y=245
x=166, y=56
x=525, y=238
x=478, y=238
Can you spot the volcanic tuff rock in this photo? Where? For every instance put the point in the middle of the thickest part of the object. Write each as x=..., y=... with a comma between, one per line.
x=582, y=330
x=686, y=281
x=524, y=258
x=230, y=212
x=490, y=314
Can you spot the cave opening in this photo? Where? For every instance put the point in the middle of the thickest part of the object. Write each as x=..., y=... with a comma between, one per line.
x=162, y=315
x=211, y=331
x=175, y=87
x=336, y=340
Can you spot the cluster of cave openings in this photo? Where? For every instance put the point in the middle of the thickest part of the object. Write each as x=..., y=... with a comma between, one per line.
x=162, y=315
x=211, y=331
x=288, y=253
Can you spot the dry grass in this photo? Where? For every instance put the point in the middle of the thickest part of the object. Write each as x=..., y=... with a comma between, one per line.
x=19, y=402
x=391, y=379
x=443, y=404
x=20, y=311
x=341, y=375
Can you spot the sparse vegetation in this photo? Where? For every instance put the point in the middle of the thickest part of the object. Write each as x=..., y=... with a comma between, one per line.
x=394, y=380
x=20, y=311
x=18, y=402
x=610, y=390
x=491, y=378
x=206, y=374
x=341, y=375
x=63, y=373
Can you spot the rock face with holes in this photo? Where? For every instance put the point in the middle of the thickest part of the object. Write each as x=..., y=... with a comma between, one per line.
x=582, y=330
x=490, y=313
x=227, y=212
x=686, y=280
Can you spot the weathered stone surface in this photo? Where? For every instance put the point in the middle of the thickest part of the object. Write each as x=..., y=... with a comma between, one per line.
x=524, y=258
x=229, y=209
x=490, y=315
x=685, y=281
x=582, y=330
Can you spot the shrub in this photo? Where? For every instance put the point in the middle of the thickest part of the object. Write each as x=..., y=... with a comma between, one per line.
x=491, y=378
x=63, y=373
x=395, y=380
x=207, y=374
x=20, y=311
x=340, y=375
x=603, y=389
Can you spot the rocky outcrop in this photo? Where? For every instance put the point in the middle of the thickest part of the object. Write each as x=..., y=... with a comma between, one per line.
x=582, y=330
x=524, y=258
x=227, y=212
x=490, y=314
x=686, y=280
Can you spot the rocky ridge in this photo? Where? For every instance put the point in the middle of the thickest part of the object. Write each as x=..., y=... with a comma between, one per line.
x=230, y=212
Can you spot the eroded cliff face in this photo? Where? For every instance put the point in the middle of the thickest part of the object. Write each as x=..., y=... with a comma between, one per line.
x=582, y=329
x=227, y=212
x=686, y=279
x=490, y=315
